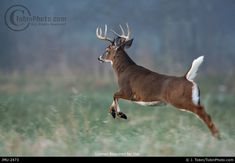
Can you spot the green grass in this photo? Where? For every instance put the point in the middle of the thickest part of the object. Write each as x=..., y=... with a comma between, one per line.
x=45, y=118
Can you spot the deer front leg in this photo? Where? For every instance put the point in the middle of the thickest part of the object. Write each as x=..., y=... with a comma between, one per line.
x=119, y=113
x=114, y=108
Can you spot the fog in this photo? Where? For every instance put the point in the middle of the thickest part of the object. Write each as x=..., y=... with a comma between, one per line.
x=167, y=34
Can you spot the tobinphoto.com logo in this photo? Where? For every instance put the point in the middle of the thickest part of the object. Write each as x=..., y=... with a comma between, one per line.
x=19, y=18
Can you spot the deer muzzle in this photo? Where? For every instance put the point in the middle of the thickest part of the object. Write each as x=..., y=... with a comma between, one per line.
x=100, y=59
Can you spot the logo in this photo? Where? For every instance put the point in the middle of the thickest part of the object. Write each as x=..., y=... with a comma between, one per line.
x=12, y=16
x=19, y=18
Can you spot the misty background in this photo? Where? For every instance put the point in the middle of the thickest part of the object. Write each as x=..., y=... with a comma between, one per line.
x=167, y=34
x=55, y=94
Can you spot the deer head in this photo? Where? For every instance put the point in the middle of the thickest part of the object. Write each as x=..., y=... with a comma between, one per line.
x=120, y=42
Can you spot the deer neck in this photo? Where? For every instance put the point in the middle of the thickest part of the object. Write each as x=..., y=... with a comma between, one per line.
x=122, y=62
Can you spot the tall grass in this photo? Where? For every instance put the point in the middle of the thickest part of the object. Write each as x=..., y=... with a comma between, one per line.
x=42, y=117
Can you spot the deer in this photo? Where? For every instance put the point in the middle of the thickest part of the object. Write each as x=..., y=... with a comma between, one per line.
x=149, y=88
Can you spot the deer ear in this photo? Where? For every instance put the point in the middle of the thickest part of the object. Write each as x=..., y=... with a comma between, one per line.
x=128, y=43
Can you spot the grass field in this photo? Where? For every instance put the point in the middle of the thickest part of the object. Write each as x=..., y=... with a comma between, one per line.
x=55, y=117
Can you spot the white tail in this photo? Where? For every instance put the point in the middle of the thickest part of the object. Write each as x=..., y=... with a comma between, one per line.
x=145, y=87
x=191, y=74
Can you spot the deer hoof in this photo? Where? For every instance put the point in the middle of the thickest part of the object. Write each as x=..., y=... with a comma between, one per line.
x=113, y=113
x=121, y=115
x=217, y=135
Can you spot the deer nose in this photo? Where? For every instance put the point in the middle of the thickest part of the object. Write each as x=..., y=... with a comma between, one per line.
x=99, y=59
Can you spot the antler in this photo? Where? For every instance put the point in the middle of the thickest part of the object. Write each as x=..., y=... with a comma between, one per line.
x=126, y=37
x=99, y=34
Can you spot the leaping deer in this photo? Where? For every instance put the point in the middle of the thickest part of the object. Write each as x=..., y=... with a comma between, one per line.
x=146, y=87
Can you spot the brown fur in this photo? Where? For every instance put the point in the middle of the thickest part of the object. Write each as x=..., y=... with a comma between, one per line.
x=137, y=83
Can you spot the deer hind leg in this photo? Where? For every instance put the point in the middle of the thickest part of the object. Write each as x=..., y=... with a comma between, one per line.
x=200, y=112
